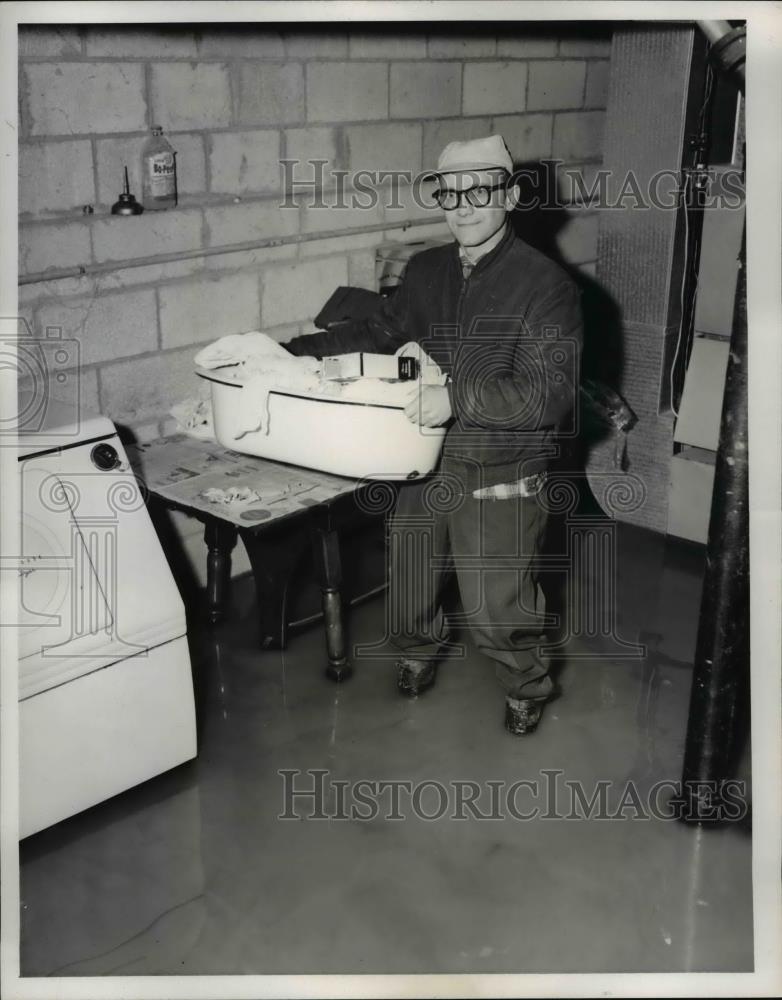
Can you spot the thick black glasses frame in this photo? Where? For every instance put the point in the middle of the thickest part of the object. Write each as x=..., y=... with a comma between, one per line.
x=478, y=196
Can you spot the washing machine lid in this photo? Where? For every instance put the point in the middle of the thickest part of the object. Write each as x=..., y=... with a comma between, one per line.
x=46, y=424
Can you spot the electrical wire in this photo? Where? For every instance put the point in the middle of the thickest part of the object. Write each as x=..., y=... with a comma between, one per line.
x=684, y=204
x=690, y=259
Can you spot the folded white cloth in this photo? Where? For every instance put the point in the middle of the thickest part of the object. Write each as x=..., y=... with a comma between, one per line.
x=239, y=348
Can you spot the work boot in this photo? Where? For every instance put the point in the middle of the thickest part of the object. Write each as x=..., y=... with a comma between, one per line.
x=415, y=676
x=522, y=715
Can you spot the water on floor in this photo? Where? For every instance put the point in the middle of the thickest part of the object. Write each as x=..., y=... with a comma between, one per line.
x=196, y=873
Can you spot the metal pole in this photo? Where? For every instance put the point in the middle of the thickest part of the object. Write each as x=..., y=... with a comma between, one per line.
x=85, y=270
x=722, y=648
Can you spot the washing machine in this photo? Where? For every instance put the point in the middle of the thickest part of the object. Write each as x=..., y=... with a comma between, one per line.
x=105, y=684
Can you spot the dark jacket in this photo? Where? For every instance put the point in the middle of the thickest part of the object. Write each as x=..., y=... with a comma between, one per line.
x=509, y=336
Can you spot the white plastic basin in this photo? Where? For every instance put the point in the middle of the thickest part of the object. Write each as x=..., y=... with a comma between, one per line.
x=357, y=440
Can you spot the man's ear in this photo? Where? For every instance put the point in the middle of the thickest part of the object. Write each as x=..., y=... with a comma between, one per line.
x=512, y=197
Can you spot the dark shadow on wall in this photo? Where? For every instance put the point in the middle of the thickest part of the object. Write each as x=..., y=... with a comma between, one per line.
x=540, y=221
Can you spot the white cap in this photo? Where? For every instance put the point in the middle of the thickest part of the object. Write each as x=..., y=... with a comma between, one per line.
x=489, y=153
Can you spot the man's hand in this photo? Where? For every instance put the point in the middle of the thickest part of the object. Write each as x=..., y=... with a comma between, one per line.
x=429, y=406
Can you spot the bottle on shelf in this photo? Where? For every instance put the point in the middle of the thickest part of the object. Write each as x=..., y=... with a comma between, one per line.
x=158, y=172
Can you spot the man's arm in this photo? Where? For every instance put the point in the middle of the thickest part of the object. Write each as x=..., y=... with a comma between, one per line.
x=382, y=333
x=533, y=383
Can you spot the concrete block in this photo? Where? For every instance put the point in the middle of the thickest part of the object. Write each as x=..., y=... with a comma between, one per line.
x=42, y=247
x=598, y=76
x=243, y=260
x=593, y=47
x=245, y=161
x=190, y=95
x=125, y=41
x=578, y=135
x=106, y=327
x=384, y=147
x=228, y=224
x=577, y=240
x=145, y=432
x=40, y=294
x=321, y=44
x=47, y=41
x=522, y=46
x=343, y=92
x=247, y=40
x=74, y=98
x=437, y=231
x=338, y=244
x=78, y=387
x=425, y=89
x=314, y=143
x=271, y=93
x=115, y=154
x=388, y=44
x=283, y=333
x=361, y=270
x=143, y=389
x=410, y=201
x=196, y=311
x=129, y=277
x=438, y=134
x=121, y=238
x=556, y=83
x=55, y=176
x=461, y=45
x=299, y=291
x=349, y=216
x=581, y=184
x=494, y=87
x=528, y=137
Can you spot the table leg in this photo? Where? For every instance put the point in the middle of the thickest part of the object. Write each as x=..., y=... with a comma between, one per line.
x=273, y=559
x=329, y=569
x=220, y=538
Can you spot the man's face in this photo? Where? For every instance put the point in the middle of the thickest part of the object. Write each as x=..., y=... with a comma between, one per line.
x=472, y=226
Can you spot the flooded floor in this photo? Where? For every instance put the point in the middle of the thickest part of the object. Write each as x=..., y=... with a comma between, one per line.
x=196, y=873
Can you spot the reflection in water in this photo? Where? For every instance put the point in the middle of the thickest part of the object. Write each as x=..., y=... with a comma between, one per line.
x=194, y=873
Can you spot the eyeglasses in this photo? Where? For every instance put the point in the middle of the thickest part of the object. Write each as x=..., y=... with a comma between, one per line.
x=478, y=196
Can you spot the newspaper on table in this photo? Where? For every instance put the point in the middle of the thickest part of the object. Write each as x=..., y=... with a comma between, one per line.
x=205, y=477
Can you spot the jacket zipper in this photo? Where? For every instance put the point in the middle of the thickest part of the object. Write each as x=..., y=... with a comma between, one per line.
x=460, y=302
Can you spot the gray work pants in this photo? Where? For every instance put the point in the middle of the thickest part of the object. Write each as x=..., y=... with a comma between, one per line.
x=489, y=545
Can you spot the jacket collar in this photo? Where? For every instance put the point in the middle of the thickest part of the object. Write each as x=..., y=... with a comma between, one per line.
x=494, y=254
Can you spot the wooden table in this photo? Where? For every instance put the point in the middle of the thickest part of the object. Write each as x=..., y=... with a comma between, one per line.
x=277, y=511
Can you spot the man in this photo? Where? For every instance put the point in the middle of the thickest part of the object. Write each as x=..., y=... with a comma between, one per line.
x=504, y=323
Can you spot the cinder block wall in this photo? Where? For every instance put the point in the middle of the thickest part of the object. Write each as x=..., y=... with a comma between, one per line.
x=233, y=101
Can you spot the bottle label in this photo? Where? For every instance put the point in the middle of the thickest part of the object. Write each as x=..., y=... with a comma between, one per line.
x=160, y=175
